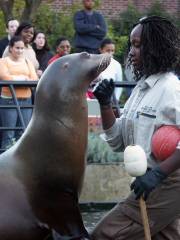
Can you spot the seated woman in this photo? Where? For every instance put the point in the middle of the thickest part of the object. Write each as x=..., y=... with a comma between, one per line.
x=15, y=67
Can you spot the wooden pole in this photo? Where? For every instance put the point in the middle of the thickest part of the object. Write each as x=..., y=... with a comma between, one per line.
x=145, y=219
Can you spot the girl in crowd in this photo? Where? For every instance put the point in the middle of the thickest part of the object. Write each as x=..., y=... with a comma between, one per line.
x=15, y=67
x=42, y=50
x=63, y=47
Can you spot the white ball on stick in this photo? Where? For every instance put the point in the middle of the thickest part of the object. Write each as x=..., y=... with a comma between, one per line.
x=135, y=160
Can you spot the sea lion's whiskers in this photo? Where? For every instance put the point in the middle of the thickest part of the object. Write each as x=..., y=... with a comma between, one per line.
x=102, y=60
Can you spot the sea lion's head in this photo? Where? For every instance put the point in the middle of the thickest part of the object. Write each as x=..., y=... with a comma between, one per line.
x=77, y=69
x=67, y=79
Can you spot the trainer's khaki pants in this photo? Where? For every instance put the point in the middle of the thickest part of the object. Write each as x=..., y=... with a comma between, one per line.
x=124, y=222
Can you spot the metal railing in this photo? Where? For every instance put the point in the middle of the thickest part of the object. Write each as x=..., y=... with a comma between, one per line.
x=12, y=85
x=32, y=84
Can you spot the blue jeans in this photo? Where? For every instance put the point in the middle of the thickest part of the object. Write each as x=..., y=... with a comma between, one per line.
x=10, y=118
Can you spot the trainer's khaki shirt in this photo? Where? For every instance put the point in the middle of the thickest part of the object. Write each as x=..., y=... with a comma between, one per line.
x=154, y=102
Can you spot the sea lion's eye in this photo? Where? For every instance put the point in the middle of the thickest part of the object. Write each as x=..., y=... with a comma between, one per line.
x=66, y=65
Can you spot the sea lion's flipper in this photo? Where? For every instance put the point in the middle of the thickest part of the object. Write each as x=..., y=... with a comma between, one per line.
x=71, y=223
x=66, y=222
x=56, y=236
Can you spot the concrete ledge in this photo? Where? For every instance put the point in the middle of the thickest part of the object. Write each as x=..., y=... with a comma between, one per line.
x=105, y=183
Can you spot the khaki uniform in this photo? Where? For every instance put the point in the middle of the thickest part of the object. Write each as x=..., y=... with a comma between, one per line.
x=154, y=102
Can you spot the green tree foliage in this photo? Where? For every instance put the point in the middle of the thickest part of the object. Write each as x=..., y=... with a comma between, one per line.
x=56, y=23
x=17, y=9
x=121, y=27
x=100, y=152
x=25, y=9
x=126, y=20
x=121, y=48
x=2, y=25
x=157, y=9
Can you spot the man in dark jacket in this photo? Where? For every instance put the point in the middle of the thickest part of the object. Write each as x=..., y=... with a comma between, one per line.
x=90, y=28
x=11, y=27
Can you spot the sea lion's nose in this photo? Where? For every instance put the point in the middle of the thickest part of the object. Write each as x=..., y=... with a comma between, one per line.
x=85, y=55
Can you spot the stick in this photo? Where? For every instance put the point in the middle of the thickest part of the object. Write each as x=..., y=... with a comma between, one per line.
x=145, y=219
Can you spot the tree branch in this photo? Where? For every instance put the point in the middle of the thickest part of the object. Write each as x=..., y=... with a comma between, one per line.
x=7, y=9
x=30, y=9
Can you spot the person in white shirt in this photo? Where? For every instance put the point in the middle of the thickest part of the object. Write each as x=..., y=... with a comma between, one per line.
x=114, y=70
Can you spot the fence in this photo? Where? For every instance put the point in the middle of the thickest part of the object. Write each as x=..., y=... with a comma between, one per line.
x=32, y=84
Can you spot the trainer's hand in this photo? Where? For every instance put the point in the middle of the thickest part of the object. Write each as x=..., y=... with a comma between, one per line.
x=103, y=91
x=143, y=185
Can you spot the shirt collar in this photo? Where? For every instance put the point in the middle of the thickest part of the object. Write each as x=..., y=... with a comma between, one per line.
x=150, y=81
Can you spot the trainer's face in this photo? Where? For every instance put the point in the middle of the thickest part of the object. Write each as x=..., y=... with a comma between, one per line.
x=135, y=49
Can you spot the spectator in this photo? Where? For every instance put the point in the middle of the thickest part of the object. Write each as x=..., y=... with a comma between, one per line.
x=42, y=50
x=15, y=67
x=11, y=27
x=114, y=70
x=63, y=47
x=154, y=55
x=90, y=28
x=27, y=32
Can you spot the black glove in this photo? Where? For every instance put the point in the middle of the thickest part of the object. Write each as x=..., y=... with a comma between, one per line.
x=143, y=185
x=103, y=91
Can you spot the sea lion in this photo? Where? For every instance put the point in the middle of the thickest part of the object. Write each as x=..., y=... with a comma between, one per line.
x=41, y=176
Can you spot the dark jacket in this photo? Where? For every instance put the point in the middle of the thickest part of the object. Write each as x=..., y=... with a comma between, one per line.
x=90, y=29
x=3, y=44
x=42, y=56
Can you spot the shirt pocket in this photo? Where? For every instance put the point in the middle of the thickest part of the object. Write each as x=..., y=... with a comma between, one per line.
x=144, y=128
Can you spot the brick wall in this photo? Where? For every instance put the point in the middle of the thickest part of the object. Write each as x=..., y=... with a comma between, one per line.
x=112, y=8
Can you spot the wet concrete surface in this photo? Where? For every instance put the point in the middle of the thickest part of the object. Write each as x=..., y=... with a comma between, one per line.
x=92, y=218
x=93, y=212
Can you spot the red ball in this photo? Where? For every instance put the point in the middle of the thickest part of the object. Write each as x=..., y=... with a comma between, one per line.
x=164, y=142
